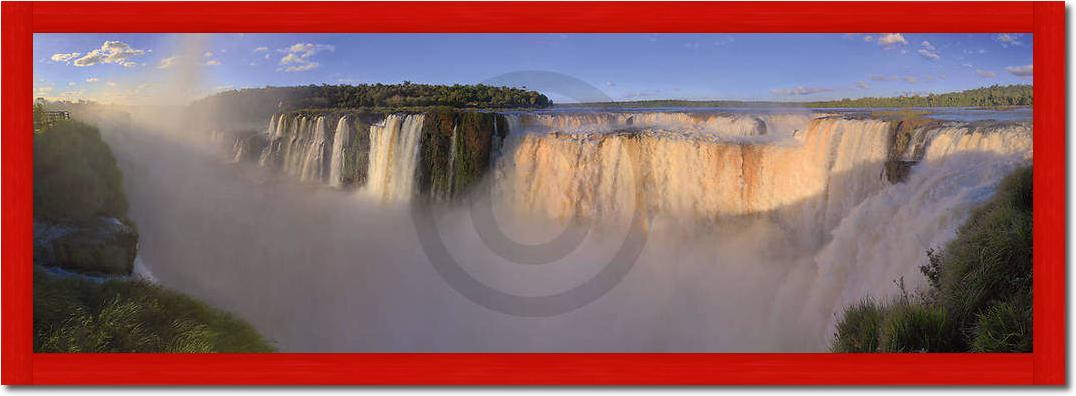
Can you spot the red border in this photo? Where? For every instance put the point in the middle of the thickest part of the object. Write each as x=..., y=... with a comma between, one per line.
x=1046, y=366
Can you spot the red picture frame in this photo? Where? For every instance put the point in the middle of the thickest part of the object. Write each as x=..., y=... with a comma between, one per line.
x=1045, y=366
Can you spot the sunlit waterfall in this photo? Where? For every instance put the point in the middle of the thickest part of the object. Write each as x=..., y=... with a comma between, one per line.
x=837, y=164
x=341, y=140
x=314, y=162
x=755, y=221
x=394, y=149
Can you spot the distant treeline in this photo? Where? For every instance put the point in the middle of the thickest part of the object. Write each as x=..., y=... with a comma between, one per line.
x=651, y=104
x=994, y=95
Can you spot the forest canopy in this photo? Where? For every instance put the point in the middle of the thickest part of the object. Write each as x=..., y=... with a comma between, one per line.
x=994, y=95
x=380, y=95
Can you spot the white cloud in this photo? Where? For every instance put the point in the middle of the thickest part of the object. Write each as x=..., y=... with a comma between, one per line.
x=868, y=38
x=111, y=83
x=298, y=56
x=93, y=79
x=212, y=62
x=65, y=58
x=720, y=41
x=208, y=54
x=1021, y=71
x=115, y=52
x=167, y=62
x=891, y=39
x=290, y=58
x=261, y=49
x=862, y=85
x=71, y=84
x=1009, y=39
x=986, y=73
x=800, y=90
x=928, y=45
x=928, y=54
x=302, y=67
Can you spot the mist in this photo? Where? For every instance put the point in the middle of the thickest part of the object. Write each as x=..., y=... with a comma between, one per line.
x=748, y=247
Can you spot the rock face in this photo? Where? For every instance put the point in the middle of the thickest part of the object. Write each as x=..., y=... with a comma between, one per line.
x=103, y=245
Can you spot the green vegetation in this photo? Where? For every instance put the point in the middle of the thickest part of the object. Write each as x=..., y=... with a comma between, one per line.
x=997, y=96
x=77, y=189
x=79, y=315
x=979, y=298
x=445, y=174
x=903, y=126
x=75, y=174
x=259, y=103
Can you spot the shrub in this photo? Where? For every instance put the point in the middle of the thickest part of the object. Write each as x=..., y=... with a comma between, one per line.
x=990, y=259
x=858, y=330
x=1004, y=327
x=911, y=327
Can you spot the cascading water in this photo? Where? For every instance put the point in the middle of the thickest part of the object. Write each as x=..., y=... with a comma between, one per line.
x=341, y=141
x=756, y=221
x=838, y=163
x=313, y=163
x=394, y=149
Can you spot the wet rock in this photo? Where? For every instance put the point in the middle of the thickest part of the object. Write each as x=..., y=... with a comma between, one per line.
x=102, y=245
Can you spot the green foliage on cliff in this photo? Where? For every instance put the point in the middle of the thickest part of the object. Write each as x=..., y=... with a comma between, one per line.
x=76, y=184
x=75, y=174
x=980, y=289
x=456, y=149
x=78, y=315
x=992, y=96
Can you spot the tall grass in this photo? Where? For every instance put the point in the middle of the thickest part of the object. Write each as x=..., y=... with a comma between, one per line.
x=980, y=288
x=73, y=314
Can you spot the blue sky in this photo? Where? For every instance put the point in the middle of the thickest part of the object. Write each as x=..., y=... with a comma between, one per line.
x=132, y=68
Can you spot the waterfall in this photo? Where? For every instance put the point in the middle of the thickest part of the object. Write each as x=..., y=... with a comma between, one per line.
x=313, y=163
x=885, y=237
x=341, y=142
x=394, y=149
x=718, y=125
x=838, y=164
x=762, y=226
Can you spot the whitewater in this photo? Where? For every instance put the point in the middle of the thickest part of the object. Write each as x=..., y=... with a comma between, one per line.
x=760, y=225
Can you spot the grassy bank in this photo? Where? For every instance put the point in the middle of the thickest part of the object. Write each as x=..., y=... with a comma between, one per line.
x=74, y=314
x=78, y=206
x=979, y=299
